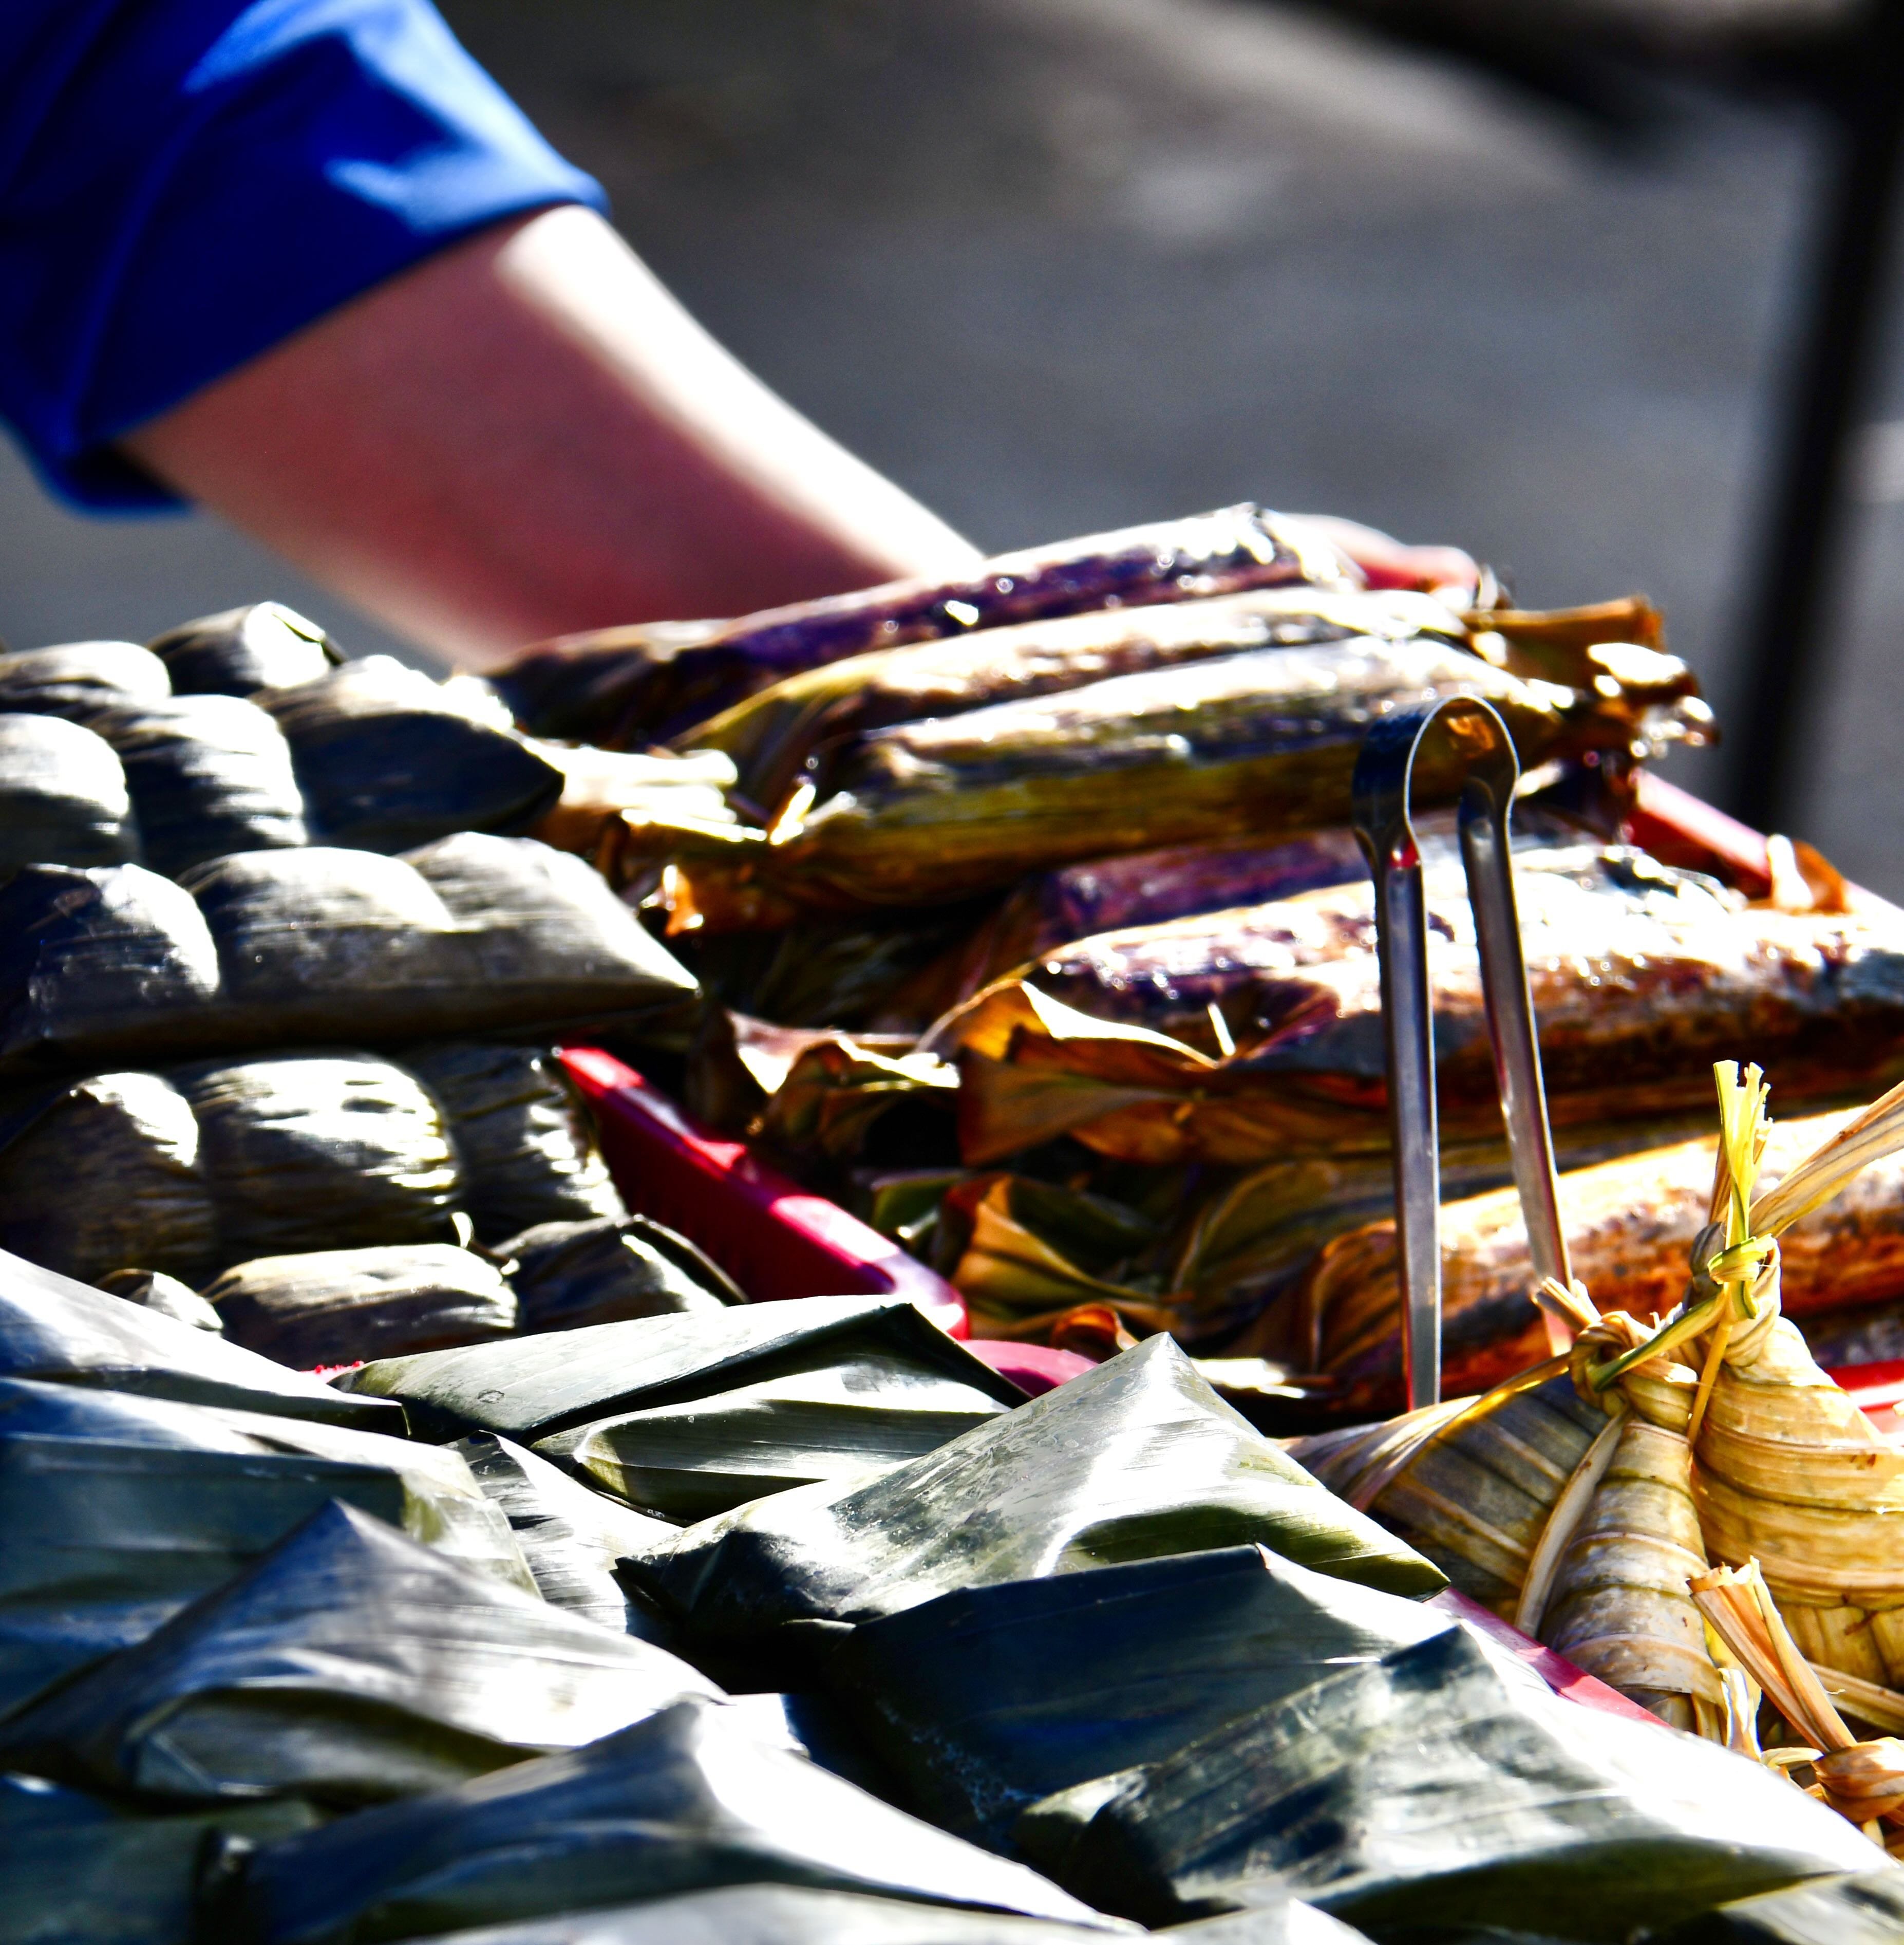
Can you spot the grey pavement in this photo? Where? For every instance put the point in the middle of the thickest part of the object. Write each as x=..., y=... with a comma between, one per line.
x=1063, y=264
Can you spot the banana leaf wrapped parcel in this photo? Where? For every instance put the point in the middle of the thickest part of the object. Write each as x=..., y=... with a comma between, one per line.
x=628, y=687
x=62, y=795
x=264, y=645
x=471, y=935
x=121, y=1510
x=348, y=1665
x=685, y=1800
x=568, y=1276
x=1251, y=746
x=1439, y=1788
x=74, y=677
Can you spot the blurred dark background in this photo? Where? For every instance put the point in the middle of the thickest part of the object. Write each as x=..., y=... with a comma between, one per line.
x=1530, y=279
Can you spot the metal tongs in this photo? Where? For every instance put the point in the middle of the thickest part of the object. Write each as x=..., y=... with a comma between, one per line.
x=1461, y=735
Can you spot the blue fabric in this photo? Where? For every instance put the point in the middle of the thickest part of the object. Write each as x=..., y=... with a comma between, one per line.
x=185, y=182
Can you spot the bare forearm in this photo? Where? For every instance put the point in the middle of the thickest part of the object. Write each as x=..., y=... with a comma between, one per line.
x=527, y=435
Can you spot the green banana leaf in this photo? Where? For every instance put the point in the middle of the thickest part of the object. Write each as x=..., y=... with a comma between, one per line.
x=689, y=1461
x=524, y=1138
x=536, y=1387
x=1866, y=1908
x=78, y=1871
x=985, y=1700
x=119, y=1511
x=570, y=1537
x=349, y=1666
x=53, y=1328
x=1135, y=1460
x=1438, y=1789
x=334, y=1306
x=607, y=1270
x=685, y=1800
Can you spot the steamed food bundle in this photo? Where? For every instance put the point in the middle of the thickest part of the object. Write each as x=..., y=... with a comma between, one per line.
x=628, y=687
x=193, y=1170
x=1248, y=746
x=470, y=935
x=62, y=795
x=264, y=645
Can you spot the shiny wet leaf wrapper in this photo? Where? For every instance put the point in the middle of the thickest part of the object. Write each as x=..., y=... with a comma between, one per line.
x=240, y=651
x=524, y=1143
x=539, y=1386
x=1032, y=1494
x=348, y=1665
x=685, y=1800
x=1863, y=1908
x=62, y=795
x=54, y=1328
x=633, y=686
x=328, y=1307
x=473, y=935
x=985, y=1700
x=1437, y=1787
x=1247, y=746
x=72, y=678
x=119, y=1510
x=570, y=1537
x=388, y=758
x=835, y=1421
x=569, y=1276
x=772, y=735
x=82, y=1871
x=156, y=1291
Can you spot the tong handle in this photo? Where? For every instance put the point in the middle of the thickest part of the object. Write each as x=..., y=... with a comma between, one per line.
x=1484, y=753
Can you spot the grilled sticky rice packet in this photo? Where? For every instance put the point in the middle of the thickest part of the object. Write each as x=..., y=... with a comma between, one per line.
x=986, y=1699
x=324, y=1307
x=348, y=1665
x=121, y=1510
x=570, y=1275
x=62, y=795
x=1438, y=1789
x=771, y=735
x=1629, y=1224
x=1252, y=746
x=389, y=759
x=1240, y=1037
x=570, y=1537
x=1023, y=1496
x=473, y=934
x=74, y=677
x=54, y=1328
x=264, y=645
x=685, y=1800
x=631, y=687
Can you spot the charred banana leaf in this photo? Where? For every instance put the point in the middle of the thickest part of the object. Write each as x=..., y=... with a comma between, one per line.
x=77, y=677
x=388, y=758
x=1640, y=977
x=771, y=735
x=1435, y=1788
x=347, y=1666
x=615, y=689
x=264, y=646
x=534, y=1388
x=77, y=1868
x=208, y=775
x=1629, y=1224
x=473, y=934
x=62, y=795
x=571, y=1275
x=1249, y=746
x=985, y=1700
x=121, y=1510
x=335, y=1306
x=570, y=1537
x=684, y=1801
x=54, y=1328
x=1034, y=1493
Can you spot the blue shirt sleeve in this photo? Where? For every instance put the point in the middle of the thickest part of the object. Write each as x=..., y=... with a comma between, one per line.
x=185, y=182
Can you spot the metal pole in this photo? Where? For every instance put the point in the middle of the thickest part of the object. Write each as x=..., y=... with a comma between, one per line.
x=1802, y=549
